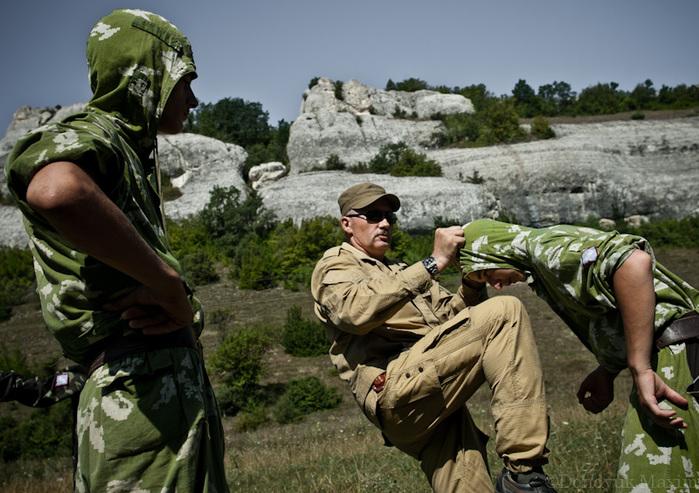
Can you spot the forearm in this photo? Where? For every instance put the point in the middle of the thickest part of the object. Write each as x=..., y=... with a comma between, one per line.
x=82, y=214
x=635, y=295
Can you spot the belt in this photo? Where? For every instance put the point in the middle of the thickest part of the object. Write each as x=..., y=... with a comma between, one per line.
x=124, y=345
x=686, y=327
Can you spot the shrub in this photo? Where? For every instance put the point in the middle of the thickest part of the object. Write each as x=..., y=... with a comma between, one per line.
x=411, y=84
x=304, y=396
x=16, y=277
x=338, y=90
x=334, y=163
x=668, y=232
x=302, y=337
x=499, y=124
x=199, y=267
x=459, y=128
x=238, y=360
x=168, y=190
x=251, y=418
x=399, y=160
x=228, y=220
x=45, y=433
x=638, y=115
x=475, y=178
x=313, y=82
x=541, y=129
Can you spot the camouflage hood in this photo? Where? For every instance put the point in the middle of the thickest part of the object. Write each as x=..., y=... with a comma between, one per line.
x=135, y=58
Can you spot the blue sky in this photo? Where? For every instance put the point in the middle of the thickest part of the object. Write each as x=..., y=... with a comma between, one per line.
x=268, y=50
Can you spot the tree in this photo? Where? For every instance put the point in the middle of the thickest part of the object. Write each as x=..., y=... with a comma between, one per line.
x=411, y=85
x=600, y=99
x=477, y=93
x=526, y=102
x=643, y=96
x=233, y=120
x=556, y=98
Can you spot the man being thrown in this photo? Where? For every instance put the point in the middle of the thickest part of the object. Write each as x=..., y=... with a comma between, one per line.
x=111, y=291
x=413, y=353
x=628, y=310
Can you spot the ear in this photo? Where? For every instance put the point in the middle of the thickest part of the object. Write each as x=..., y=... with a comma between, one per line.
x=345, y=225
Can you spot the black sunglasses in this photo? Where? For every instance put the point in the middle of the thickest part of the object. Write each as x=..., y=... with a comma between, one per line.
x=374, y=217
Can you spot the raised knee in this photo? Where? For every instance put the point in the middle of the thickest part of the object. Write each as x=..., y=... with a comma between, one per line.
x=506, y=304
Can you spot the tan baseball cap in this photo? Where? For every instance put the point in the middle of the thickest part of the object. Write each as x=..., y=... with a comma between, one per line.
x=364, y=194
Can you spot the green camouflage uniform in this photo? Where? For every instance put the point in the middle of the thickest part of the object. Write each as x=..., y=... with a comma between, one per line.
x=571, y=269
x=148, y=421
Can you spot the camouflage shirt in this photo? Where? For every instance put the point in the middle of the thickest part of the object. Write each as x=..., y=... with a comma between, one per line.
x=132, y=73
x=571, y=268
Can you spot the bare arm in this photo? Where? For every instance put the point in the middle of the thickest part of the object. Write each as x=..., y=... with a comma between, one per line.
x=635, y=295
x=68, y=198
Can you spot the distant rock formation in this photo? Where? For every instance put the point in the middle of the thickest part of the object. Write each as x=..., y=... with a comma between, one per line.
x=195, y=165
x=356, y=125
x=614, y=169
x=307, y=195
x=618, y=169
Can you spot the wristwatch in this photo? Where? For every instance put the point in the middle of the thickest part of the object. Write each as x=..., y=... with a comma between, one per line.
x=431, y=265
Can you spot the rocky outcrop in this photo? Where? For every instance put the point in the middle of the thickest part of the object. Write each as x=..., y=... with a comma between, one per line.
x=11, y=230
x=195, y=165
x=614, y=169
x=354, y=121
x=618, y=169
x=265, y=173
x=304, y=196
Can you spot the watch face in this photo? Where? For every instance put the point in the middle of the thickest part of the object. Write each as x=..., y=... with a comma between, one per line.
x=431, y=265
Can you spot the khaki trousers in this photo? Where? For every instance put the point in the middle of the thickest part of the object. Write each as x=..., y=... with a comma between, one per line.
x=422, y=408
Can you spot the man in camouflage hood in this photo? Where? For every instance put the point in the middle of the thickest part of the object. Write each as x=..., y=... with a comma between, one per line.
x=111, y=291
x=609, y=290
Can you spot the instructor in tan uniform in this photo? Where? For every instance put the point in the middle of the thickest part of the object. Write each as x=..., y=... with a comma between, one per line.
x=413, y=353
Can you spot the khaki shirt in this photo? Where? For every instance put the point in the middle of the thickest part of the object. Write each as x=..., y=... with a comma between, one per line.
x=374, y=310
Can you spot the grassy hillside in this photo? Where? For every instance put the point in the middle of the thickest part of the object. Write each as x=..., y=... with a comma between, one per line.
x=339, y=450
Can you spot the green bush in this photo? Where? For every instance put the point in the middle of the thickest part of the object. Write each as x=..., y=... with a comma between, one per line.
x=338, y=90
x=199, y=267
x=301, y=337
x=638, y=115
x=16, y=278
x=541, y=129
x=668, y=232
x=459, y=129
x=45, y=433
x=251, y=418
x=334, y=163
x=238, y=361
x=399, y=160
x=228, y=220
x=304, y=396
x=168, y=190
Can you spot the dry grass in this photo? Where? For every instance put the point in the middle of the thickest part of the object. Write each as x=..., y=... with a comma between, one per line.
x=339, y=450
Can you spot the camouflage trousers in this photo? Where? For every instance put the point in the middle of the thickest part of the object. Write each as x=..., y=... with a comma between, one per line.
x=654, y=459
x=149, y=422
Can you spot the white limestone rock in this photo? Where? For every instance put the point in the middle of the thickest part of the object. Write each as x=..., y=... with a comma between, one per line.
x=266, y=172
x=613, y=169
x=356, y=126
x=304, y=196
x=12, y=232
x=196, y=164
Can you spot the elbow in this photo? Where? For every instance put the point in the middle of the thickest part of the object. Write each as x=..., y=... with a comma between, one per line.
x=59, y=186
x=640, y=260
